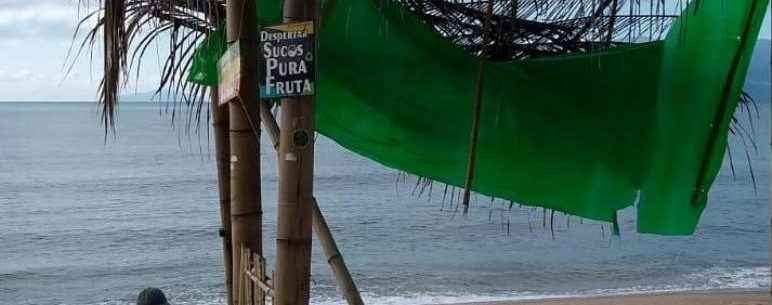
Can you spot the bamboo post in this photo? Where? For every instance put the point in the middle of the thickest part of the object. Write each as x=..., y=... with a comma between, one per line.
x=222, y=156
x=296, y=168
x=329, y=246
x=246, y=210
x=335, y=259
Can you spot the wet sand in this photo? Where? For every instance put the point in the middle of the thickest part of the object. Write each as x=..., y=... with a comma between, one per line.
x=686, y=298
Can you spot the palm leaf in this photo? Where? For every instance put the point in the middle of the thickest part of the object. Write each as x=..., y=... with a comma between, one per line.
x=128, y=29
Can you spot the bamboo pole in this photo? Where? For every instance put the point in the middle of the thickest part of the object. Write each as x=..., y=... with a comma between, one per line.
x=260, y=287
x=329, y=246
x=612, y=20
x=335, y=259
x=240, y=276
x=269, y=122
x=222, y=156
x=246, y=209
x=475, y=129
x=296, y=168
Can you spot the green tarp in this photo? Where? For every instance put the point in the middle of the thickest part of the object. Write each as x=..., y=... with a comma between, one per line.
x=585, y=134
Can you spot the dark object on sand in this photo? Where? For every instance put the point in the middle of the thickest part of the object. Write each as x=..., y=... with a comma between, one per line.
x=152, y=296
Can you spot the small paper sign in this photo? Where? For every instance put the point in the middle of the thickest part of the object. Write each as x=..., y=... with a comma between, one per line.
x=229, y=70
x=288, y=60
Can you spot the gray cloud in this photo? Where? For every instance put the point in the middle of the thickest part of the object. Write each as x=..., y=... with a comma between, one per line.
x=36, y=20
x=23, y=75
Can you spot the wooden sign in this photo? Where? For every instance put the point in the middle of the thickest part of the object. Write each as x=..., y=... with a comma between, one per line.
x=288, y=65
x=229, y=71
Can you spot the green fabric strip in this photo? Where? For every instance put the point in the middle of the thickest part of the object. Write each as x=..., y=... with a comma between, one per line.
x=699, y=54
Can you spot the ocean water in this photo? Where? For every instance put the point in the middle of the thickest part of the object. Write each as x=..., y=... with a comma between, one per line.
x=84, y=220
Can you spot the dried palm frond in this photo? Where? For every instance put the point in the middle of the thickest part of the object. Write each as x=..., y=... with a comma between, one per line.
x=115, y=41
x=129, y=28
x=518, y=29
x=538, y=28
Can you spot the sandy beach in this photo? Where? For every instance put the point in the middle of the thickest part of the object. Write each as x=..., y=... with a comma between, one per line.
x=687, y=298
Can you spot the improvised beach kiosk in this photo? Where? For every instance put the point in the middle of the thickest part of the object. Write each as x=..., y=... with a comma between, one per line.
x=585, y=107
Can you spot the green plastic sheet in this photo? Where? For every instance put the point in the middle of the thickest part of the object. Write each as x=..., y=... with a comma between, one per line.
x=586, y=135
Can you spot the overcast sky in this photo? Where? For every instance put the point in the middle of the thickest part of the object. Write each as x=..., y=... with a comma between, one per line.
x=34, y=38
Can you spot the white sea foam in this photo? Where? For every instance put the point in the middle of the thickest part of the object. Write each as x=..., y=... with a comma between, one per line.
x=735, y=278
x=710, y=279
x=429, y=298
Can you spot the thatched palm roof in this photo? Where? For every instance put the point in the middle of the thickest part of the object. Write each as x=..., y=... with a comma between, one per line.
x=505, y=29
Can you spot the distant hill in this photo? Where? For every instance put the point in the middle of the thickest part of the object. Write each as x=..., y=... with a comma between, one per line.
x=758, y=82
